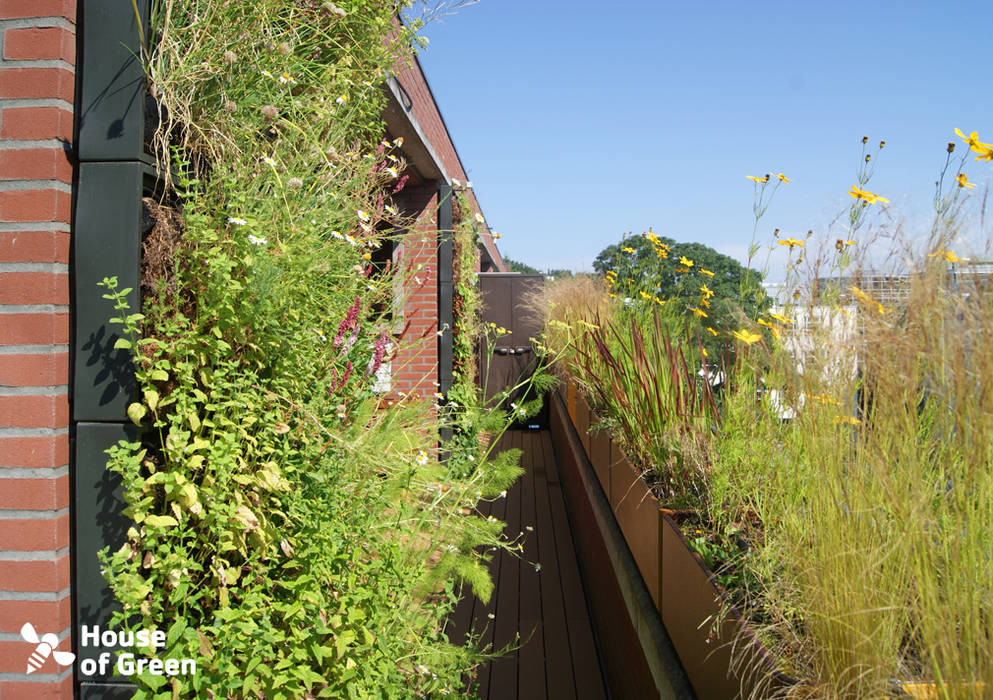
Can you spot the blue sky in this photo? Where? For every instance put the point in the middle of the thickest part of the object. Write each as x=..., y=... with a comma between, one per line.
x=579, y=121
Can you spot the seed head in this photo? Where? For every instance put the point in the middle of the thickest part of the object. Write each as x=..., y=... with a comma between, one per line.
x=294, y=183
x=230, y=57
x=270, y=112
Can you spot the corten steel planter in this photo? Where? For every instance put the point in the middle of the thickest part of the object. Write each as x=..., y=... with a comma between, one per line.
x=639, y=659
x=637, y=512
x=681, y=587
x=691, y=600
x=582, y=421
x=599, y=453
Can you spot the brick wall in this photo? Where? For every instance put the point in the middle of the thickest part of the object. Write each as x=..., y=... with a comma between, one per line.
x=415, y=367
x=37, y=59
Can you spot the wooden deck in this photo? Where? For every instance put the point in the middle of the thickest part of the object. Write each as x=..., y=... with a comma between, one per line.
x=539, y=594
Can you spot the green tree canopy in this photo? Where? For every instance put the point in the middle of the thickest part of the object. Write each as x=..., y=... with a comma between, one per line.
x=687, y=278
x=523, y=268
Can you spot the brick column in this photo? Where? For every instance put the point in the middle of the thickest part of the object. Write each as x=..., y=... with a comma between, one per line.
x=37, y=79
x=416, y=365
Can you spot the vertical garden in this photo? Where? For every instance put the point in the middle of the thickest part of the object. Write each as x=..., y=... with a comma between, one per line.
x=293, y=530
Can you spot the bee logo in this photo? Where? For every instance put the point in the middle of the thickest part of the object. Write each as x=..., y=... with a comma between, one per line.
x=46, y=647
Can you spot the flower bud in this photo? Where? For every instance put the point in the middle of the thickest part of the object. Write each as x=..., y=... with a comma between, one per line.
x=951, y=147
x=865, y=139
x=882, y=144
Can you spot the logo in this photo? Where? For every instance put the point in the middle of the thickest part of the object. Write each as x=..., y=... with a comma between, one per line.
x=46, y=647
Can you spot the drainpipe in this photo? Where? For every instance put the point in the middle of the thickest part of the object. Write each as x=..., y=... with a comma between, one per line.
x=446, y=291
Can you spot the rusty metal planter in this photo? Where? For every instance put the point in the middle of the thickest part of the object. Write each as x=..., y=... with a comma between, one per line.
x=684, y=591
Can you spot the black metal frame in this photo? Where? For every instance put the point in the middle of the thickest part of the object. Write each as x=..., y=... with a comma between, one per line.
x=115, y=117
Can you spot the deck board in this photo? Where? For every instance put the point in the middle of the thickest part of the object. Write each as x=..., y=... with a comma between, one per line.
x=538, y=592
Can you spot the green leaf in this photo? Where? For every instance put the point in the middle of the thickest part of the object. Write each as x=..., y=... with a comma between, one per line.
x=122, y=344
x=158, y=375
x=151, y=398
x=161, y=521
x=136, y=412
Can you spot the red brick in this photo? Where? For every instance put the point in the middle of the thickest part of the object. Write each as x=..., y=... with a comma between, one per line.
x=36, y=123
x=34, y=452
x=39, y=43
x=34, y=329
x=34, y=411
x=44, y=576
x=34, y=246
x=40, y=690
x=34, y=288
x=34, y=205
x=14, y=658
x=46, y=616
x=38, y=8
x=49, y=369
x=37, y=83
x=35, y=164
x=23, y=535
x=34, y=494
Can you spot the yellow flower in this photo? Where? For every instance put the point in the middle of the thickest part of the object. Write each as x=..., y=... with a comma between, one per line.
x=711, y=330
x=746, y=336
x=704, y=303
x=783, y=178
x=964, y=181
x=628, y=249
x=707, y=293
x=791, y=242
x=704, y=271
x=972, y=140
x=683, y=260
x=866, y=299
x=771, y=326
x=758, y=179
x=866, y=196
x=699, y=312
x=985, y=153
x=948, y=255
x=782, y=319
x=647, y=297
x=847, y=420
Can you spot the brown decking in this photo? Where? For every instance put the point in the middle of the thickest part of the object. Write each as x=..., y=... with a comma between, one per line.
x=546, y=604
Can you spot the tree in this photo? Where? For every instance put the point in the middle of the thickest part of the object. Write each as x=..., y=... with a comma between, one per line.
x=688, y=279
x=523, y=268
